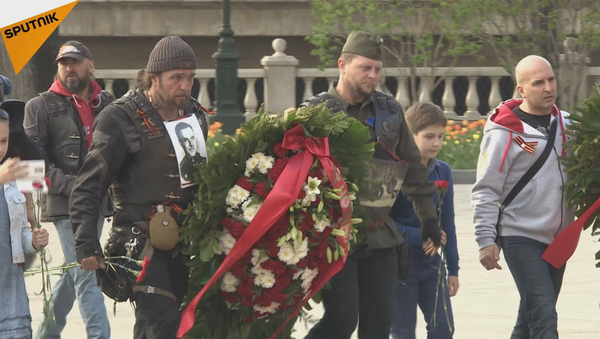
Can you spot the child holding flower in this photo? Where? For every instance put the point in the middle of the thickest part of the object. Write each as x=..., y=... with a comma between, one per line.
x=426, y=285
x=16, y=239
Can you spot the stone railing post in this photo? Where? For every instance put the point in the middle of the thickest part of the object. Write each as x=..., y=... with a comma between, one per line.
x=108, y=85
x=280, y=79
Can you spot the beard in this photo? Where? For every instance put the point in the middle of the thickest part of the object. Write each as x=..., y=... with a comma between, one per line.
x=75, y=85
x=358, y=89
x=177, y=102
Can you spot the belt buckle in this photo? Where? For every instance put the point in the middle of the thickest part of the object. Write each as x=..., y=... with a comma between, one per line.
x=150, y=290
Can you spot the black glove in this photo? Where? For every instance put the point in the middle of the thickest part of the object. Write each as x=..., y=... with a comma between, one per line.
x=431, y=230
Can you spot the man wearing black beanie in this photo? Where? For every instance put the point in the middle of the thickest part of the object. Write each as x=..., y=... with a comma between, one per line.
x=132, y=153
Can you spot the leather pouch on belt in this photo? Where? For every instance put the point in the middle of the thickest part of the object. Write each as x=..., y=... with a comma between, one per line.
x=164, y=231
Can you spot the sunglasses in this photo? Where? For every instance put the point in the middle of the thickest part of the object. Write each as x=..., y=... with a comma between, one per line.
x=3, y=114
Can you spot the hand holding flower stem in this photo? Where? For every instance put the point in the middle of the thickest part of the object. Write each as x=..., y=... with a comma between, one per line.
x=442, y=187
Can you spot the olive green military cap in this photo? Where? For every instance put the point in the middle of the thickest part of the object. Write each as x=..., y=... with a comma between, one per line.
x=363, y=44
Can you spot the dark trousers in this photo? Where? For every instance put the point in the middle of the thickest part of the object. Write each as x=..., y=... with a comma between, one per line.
x=364, y=289
x=421, y=288
x=157, y=316
x=538, y=283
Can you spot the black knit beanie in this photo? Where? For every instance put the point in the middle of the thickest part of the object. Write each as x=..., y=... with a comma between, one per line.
x=171, y=53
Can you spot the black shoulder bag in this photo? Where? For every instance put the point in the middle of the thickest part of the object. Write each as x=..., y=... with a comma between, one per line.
x=531, y=172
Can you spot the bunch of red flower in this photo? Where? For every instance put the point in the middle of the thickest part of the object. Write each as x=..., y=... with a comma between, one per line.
x=279, y=271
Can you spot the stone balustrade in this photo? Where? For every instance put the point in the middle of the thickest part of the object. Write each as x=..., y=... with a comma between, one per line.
x=463, y=92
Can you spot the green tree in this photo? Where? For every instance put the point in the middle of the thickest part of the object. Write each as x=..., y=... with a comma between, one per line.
x=418, y=34
x=565, y=32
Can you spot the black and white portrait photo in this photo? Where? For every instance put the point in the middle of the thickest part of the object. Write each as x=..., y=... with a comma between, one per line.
x=188, y=142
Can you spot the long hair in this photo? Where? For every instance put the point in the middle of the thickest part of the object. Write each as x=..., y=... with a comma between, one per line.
x=19, y=144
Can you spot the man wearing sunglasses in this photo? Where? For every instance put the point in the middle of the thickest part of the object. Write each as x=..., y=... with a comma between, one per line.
x=60, y=122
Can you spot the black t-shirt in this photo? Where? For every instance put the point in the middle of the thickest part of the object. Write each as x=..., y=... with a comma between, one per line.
x=539, y=122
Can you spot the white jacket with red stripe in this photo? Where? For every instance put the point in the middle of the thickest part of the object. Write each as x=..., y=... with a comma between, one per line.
x=539, y=211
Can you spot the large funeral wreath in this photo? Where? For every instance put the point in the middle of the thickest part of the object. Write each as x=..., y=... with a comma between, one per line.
x=273, y=220
x=583, y=163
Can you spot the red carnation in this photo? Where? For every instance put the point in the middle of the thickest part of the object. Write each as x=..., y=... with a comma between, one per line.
x=247, y=258
x=275, y=295
x=278, y=167
x=323, y=266
x=238, y=268
x=47, y=181
x=442, y=184
x=280, y=151
x=305, y=227
x=261, y=243
x=282, y=281
x=308, y=219
x=317, y=173
x=245, y=289
x=236, y=229
x=264, y=300
x=142, y=275
x=302, y=194
x=274, y=265
x=232, y=298
x=302, y=263
x=289, y=271
x=262, y=189
x=248, y=301
x=244, y=183
x=37, y=185
x=272, y=248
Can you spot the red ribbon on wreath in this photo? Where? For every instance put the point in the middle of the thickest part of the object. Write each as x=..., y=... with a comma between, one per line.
x=564, y=245
x=282, y=196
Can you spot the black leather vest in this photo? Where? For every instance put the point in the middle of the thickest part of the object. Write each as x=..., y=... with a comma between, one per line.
x=386, y=120
x=66, y=144
x=151, y=177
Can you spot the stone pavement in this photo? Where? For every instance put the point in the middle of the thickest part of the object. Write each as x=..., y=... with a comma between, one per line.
x=485, y=306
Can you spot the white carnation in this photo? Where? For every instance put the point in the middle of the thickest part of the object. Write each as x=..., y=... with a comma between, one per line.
x=301, y=246
x=270, y=309
x=256, y=253
x=266, y=163
x=258, y=270
x=292, y=254
x=321, y=224
x=286, y=254
x=265, y=280
x=308, y=199
x=250, y=212
x=236, y=195
x=229, y=283
x=251, y=165
x=307, y=278
x=227, y=241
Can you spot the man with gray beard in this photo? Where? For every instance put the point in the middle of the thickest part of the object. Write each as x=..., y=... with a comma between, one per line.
x=133, y=154
x=60, y=122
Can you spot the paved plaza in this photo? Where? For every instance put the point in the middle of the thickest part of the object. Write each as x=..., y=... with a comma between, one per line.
x=485, y=307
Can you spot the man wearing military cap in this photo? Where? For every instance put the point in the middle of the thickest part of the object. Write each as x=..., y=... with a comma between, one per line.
x=364, y=289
